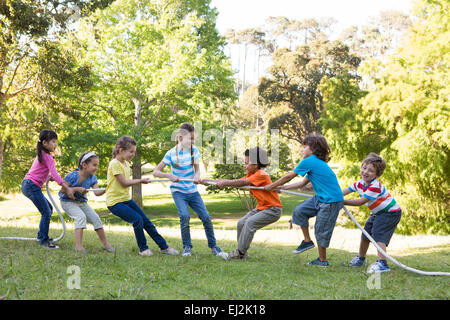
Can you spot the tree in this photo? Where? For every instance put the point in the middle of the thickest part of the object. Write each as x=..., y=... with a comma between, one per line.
x=26, y=29
x=405, y=118
x=292, y=92
x=156, y=64
x=379, y=37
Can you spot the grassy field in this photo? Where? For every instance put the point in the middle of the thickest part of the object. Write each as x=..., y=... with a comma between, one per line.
x=28, y=271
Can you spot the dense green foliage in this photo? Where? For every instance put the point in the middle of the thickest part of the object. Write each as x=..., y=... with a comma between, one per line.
x=404, y=117
x=96, y=70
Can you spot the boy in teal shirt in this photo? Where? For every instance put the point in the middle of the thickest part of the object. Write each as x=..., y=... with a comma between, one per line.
x=327, y=202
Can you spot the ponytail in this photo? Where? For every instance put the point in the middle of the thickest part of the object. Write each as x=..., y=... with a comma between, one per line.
x=124, y=143
x=185, y=128
x=45, y=135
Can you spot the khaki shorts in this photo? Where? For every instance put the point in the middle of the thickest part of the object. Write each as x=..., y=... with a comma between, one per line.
x=81, y=212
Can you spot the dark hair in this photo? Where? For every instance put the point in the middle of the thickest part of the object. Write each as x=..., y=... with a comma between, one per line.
x=45, y=135
x=378, y=163
x=184, y=129
x=85, y=161
x=124, y=143
x=257, y=156
x=318, y=146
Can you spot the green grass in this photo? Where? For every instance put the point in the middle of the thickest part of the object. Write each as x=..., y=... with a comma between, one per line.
x=28, y=271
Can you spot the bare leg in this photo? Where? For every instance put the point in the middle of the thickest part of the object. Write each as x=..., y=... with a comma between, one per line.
x=322, y=253
x=79, y=239
x=363, y=247
x=306, y=235
x=102, y=237
x=382, y=246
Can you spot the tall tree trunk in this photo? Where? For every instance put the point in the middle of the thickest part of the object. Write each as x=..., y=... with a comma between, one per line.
x=136, y=190
x=245, y=63
x=1, y=160
x=137, y=174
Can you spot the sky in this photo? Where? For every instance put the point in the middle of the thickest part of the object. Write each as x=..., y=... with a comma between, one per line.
x=241, y=14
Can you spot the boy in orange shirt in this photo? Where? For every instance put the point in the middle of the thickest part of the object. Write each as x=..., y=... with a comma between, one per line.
x=269, y=207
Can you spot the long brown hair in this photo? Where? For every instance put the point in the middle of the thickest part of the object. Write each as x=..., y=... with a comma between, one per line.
x=124, y=143
x=185, y=127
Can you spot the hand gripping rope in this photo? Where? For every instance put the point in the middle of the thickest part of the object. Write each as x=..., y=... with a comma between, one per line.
x=60, y=214
x=425, y=273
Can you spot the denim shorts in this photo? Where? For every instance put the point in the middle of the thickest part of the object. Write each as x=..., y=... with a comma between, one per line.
x=326, y=215
x=381, y=226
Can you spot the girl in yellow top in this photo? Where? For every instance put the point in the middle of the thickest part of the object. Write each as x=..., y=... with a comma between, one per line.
x=118, y=198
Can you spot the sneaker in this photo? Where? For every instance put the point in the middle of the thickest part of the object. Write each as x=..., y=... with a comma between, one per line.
x=216, y=250
x=319, y=263
x=357, y=262
x=303, y=247
x=187, y=252
x=378, y=266
x=236, y=255
x=169, y=251
x=223, y=255
x=48, y=245
x=147, y=253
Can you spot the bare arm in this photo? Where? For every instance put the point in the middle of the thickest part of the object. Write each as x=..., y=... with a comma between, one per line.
x=158, y=172
x=356, y=202
x=131, y=182
x=65, y=188
x=98, y=193
x=197, y=173
x=353, y=202
x=298, y=185
x=346, y=191
x=288, y=177
x=227, y=182
x=79, y=189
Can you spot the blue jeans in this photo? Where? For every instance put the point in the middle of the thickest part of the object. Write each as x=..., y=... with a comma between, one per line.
x=194, y=200
x=34, y=193
x=326, y=215
x=130, y=212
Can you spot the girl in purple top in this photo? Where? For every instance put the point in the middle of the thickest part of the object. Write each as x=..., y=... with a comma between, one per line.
x=41, y=171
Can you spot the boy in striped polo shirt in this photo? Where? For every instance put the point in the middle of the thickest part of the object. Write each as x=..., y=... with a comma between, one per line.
x=183, y=160
x=385, y=211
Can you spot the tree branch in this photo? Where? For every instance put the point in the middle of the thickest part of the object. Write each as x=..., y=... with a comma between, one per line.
x=15, y=72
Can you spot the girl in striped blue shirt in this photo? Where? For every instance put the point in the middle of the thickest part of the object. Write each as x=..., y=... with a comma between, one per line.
x=183, y=162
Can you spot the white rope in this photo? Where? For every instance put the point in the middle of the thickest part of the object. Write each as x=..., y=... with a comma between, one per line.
x=151, y=180
x=425, y=273
x=60, y=216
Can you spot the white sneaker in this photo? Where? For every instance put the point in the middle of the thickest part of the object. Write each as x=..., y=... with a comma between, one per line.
x=187, y=252
x=223, y=254
x=147, y=252
x=170, y=251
